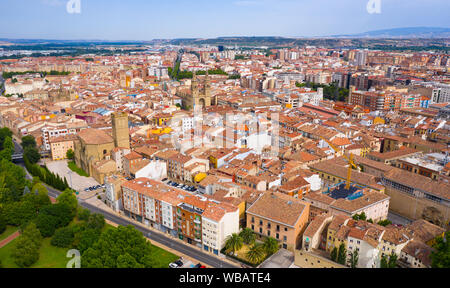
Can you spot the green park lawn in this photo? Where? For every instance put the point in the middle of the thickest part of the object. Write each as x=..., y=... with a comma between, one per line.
x=9, y=231
x=55, y=257
x=164, y=258
x=72, y=166
x=49, y=256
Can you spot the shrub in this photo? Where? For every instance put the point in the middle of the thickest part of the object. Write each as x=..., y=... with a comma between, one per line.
x=63, y=237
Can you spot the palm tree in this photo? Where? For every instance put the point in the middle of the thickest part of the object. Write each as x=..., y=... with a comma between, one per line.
x=248, y=236
x=270, y=245
x=234, y=243
x=256, y=253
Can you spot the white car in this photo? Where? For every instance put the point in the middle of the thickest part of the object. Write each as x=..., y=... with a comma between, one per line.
x=173, y=265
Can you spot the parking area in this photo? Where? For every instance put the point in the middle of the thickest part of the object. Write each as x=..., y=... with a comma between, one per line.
x=187, y=188
x=77, y=182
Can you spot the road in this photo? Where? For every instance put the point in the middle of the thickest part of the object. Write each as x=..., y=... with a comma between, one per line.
x=187, y=250
x=166, y=241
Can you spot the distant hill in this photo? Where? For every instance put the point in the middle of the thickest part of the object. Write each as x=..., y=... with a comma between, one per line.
x=408, y=32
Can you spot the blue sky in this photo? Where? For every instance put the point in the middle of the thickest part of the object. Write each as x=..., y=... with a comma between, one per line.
x=151, y=19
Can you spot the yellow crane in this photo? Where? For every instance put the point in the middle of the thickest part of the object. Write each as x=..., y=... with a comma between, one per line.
x=350, y=162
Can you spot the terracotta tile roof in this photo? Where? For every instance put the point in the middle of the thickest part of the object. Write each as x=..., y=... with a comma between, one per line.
x=279, y=207
x=419, y=182
x=95, y=137
x=424, y=231
x=354, y=206
x=420, y=251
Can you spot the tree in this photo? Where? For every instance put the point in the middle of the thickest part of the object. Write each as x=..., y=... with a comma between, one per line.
x=234, y=243
x=68, y=198
x=96, y=221
x=440, y=257
x=361, y=216
x=270, y=245
x=4, y=133
x=32, y=232
x=384, y=262
x=70, y=154
x=334, y=254
x=116, y=242
x=127, y=261
x=354, y=257
x=7, y=150
x=25, y=253
x=83, y=214
x=248, y=236
x=2, y=223
x=384, y=222
x=389, y=261
x=342, y=254
x=28, y=141
x=85, y=239
x=18, y=213
x=32, y=154
x=63, y=237
x=256, y=253
x=47, y=224
x=61, y=211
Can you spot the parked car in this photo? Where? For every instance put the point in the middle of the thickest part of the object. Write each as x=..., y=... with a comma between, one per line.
x=173, y=265
x=179, y=263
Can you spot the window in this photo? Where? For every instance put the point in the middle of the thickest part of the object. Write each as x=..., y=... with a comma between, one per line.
x=278, y=236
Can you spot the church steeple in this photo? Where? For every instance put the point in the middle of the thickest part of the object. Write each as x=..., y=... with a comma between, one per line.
x=194, y=86
x=207, y=85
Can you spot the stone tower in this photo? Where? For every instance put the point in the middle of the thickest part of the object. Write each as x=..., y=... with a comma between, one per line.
x=207, y=86
x=121, y=133
x=194, y=86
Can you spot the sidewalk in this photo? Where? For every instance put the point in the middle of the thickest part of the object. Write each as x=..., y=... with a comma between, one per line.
x=10, y=238
x=103, y=206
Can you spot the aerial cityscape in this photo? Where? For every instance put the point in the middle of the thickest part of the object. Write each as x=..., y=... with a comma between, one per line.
x=179, y=142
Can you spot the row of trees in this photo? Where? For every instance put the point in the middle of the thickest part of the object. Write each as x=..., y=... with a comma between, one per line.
x=257, y=251
x=30, y=149
x=49, y=178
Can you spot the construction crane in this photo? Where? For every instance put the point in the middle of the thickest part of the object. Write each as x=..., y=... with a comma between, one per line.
x=350, y=162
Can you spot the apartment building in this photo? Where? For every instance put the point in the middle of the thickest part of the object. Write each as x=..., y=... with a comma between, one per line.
x=195, y=219
x=60, y=145
x=418, y=197
x=279, y=216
